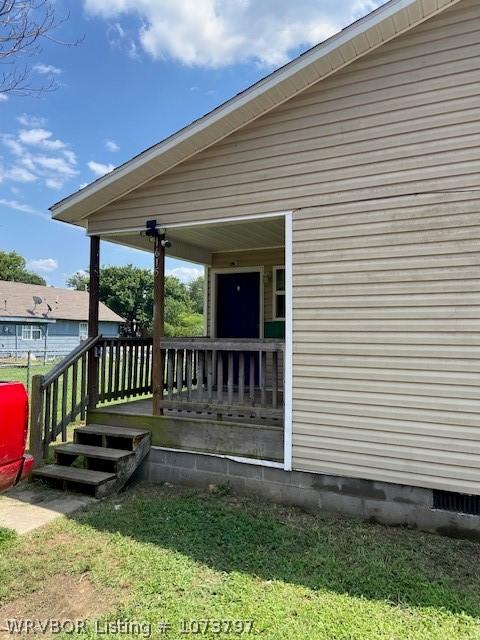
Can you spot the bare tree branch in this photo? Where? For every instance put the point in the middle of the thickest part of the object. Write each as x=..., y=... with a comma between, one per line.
x=24, y=25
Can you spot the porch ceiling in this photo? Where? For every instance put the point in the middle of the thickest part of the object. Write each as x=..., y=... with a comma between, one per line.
x=197, y=243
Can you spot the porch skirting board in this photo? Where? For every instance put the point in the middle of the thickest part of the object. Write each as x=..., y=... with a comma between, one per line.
x=381, y=502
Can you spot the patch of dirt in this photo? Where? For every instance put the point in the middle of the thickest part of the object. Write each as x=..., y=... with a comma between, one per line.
x=60, y=598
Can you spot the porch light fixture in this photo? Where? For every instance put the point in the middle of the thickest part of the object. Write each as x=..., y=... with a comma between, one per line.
x=153, y=231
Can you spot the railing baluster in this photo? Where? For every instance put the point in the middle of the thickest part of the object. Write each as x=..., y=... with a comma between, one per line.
x=200, y=373
x=64, y=405
x=103, y=371
x=83, y=387
x=274, y=379
x=141, y=381
x=209, y=355
x=251, y=382
x=74, y=387
x=53, y=426
x=230, y=378
x=220, y=377
x=263, y=378
x=194, y=366
x=110, y=371
x=170, y=372
x=179, y=372
x=135, y=368
x=130, y=369
x=147, y=368
x=123, y=383
x=116, y=385
x=47, y=421
x=241, y=377
x=189, y=373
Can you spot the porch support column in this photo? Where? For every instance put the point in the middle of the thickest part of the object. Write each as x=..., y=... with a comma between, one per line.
x=158, y=322
x=93, y=306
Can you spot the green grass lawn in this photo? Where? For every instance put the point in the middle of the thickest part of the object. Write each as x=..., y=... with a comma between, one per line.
x=167, y=554
x=19, y=373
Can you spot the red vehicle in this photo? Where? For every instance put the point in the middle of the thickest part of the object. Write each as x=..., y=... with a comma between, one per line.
x=15, y=464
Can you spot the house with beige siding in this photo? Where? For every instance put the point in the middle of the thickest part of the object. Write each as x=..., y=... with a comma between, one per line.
x=335, y=205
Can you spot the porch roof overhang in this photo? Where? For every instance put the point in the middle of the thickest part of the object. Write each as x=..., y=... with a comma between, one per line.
x=367, y=34
x=198, y=243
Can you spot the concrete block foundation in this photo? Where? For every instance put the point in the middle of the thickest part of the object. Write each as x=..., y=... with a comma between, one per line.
x=386, y=503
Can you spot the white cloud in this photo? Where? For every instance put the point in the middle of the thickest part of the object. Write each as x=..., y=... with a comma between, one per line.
x=27, y=120
x=3, y=97
x=40, y=138
x=119, y=39
x=217, y=33
x=53, y=183
x=111, y=145
x=37, y=154
x=24, y=208
x=17, y=174
x=47, y=69
x=100, y=169
x=185, y=274
x=43, y=264
x=58, y=164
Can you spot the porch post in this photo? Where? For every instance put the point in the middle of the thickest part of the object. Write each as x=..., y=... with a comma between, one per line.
x=93, y=304
x=158, y=322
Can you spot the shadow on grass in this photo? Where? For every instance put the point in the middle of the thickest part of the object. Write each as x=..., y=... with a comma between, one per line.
x=319, y=552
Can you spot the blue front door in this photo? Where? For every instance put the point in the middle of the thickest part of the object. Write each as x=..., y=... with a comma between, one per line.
x=238, y=305
x=238, y=312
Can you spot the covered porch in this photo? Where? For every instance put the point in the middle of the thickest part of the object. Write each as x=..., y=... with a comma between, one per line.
x=223, y=392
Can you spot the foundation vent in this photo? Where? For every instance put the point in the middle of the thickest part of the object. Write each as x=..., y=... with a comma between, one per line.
x=458, y=502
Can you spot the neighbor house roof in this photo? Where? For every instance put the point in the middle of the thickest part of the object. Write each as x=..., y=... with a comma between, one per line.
x=382, y=25
x=34, y=302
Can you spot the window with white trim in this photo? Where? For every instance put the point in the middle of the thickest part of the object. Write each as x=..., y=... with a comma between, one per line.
x=279, y=293
x=31, y=332
x=83, y=330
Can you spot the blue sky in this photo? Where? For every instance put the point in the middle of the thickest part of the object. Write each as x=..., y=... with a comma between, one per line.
x=144, y=69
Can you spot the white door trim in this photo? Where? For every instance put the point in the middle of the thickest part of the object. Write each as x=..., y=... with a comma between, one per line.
x=213, y=295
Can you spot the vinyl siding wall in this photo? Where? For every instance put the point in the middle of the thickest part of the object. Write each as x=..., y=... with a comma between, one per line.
x=381, y=165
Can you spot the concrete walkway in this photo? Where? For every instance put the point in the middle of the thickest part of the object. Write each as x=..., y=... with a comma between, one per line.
x=30, y=506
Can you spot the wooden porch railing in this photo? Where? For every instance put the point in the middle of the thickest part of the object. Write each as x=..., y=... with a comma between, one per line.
x=224, y=377
x=58, y=398
x=240, y=378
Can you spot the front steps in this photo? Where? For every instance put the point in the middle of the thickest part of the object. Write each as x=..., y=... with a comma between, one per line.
x=104, y=458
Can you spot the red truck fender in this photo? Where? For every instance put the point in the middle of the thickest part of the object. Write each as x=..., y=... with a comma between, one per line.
x=14, y=463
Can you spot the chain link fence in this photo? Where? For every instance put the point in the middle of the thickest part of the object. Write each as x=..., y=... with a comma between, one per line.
x=20, y=366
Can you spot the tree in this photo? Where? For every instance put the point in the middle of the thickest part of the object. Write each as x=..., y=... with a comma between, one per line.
x=24, y=25
x=79, y=281
x=195, y=289
x=14, y=267
x=129, y=292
